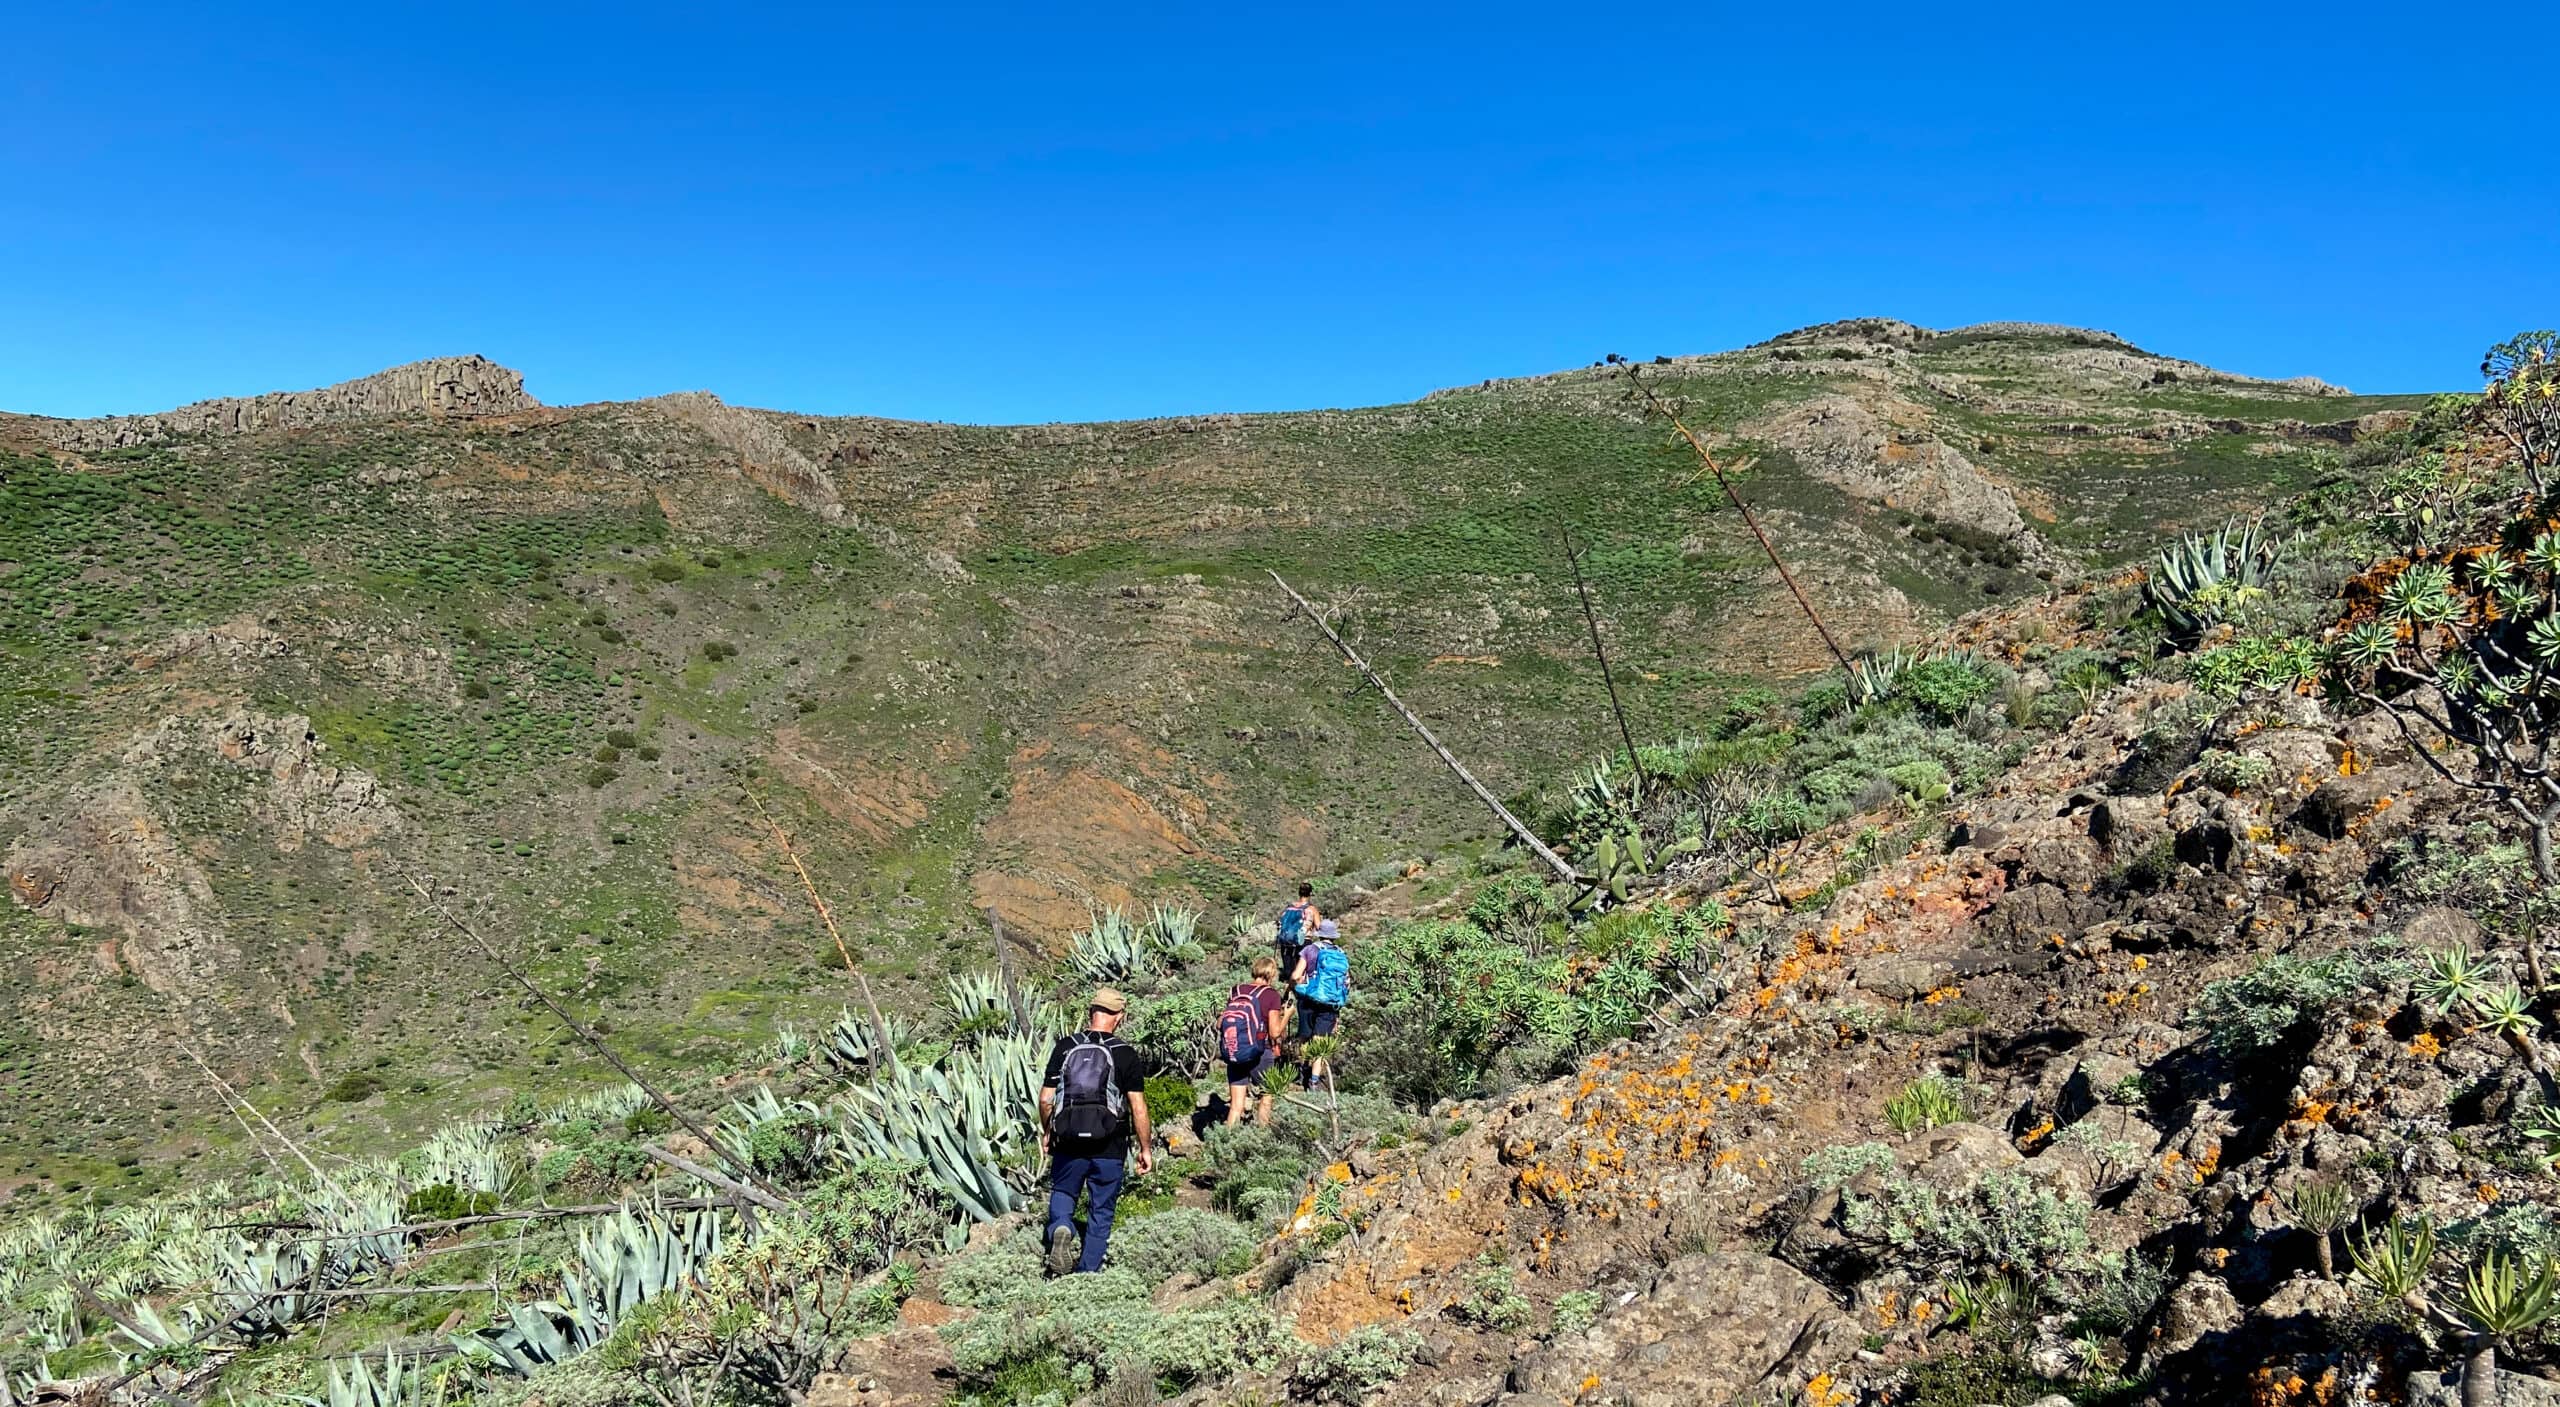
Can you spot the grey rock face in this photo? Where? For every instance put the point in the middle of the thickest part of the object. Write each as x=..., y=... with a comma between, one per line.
x=438, y=386
x=1709, y=1329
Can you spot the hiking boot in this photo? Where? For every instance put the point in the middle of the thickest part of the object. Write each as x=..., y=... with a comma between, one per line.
x=1064, y=1250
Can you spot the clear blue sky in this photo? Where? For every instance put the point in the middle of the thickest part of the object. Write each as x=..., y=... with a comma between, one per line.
x=1069, y=212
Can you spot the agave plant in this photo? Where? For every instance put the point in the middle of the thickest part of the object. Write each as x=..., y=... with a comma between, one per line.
x=472, y=1156
x=1111, y=951
x=974, y=996
x=622, y=1265
x=737, y=1129
x=2202, y=578
x=852, y=1041
x=964, y=1121
x=789, y=1046
x=1873, y=677
x=2541, y=1125
x=1173, y=934
x=606, y=1107
x=263, y=1288
x=400, y=1384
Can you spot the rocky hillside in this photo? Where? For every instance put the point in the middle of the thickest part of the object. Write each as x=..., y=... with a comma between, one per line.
x=271, y=659
x=2134, y=994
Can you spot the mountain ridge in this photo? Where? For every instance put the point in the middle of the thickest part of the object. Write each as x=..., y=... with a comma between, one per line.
x=470, y=384
x=1034, y=669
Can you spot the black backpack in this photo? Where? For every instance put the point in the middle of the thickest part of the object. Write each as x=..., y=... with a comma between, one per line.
x=1090, y=1101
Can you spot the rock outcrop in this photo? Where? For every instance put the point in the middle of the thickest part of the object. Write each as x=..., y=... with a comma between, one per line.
x=438, y=386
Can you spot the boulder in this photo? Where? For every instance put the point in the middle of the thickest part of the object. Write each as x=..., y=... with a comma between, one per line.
x=2200, y=1305
x=1903, y=979
x=1707, y=1330
x=2306, y=1297
x=2444, y=1389
x=1959, y=1155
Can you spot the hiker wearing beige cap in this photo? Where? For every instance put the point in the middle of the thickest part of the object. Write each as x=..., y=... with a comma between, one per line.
x=1092, y=1101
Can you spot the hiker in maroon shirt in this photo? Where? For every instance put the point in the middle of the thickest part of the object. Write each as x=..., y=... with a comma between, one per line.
x=1249, y=1032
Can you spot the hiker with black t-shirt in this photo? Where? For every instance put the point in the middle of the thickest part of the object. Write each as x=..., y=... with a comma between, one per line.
x=1297, y=923
x=1092, y=1101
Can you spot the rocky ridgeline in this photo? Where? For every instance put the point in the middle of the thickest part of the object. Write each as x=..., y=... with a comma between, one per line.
x=437, y=386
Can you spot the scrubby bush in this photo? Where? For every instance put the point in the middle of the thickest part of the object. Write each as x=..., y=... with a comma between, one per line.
x=869, y=1213
x=1942, y=689
x=2003, y=1219
x=354, y=1087
x=2280, y=997
x=1358, y=1365
x=1157, y=1248
x=1090, y=1329
x=2234, y=772
x=1171, y=1097
x=1253, y=1173
x=2257, y=662
x=1176, y=1032
x=1576, y=1310
x=1492, y=1301
x=443, y=1201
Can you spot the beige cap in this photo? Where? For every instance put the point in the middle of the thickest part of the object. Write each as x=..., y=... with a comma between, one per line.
x=1110, y=1000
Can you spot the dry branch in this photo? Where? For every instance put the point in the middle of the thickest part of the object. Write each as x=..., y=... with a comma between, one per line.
x=1707, y=458
x=594, y=1041
x=1527, y=837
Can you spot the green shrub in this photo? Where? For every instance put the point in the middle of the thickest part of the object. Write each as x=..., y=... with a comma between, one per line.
x=1099, y=1327
x=2234, y=772
x=1514, y=903
x=1253, y=1174
x=1170, y=1097
x=621, y=738
x=2257, y=663
x=1576, y=1310
x=1925, y=1104
x=668, y=569
x=996, y=1276
x=354, y=1087
x=1942, y=689
x=1176, y=1033
x=445, y=1202
x=1357, y=1366
x=869, y=1213
x=1492, y=1300
x=2280, y=997
x=1974, y=1376
x=2003, y=1220
x=1826, y=700
x=601, y=775
x=1157, y=1248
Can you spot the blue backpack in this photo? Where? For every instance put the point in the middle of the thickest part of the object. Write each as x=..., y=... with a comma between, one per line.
x=1293, y=921
x=1329, y=978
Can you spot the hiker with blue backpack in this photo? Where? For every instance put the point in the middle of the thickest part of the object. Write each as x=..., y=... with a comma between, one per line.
x=1323, y=984
x=1250, y=1029
x=1297, y=923
x=1093, y=1102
